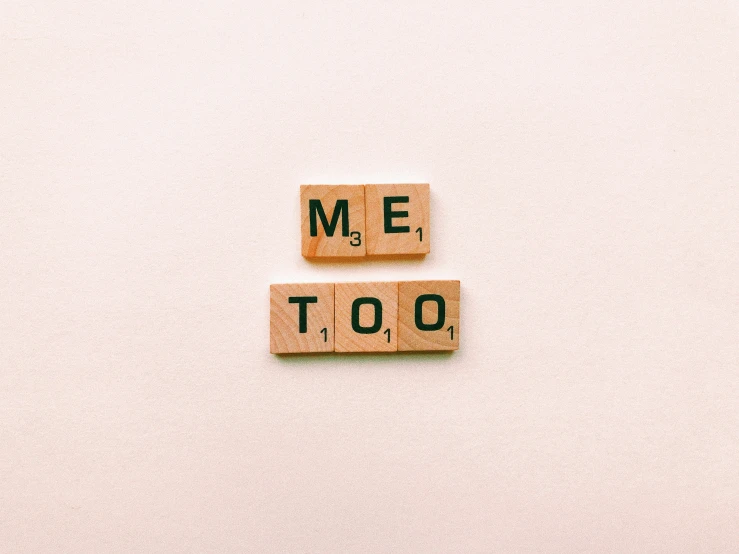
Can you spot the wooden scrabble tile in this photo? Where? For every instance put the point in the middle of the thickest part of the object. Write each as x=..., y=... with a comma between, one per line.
x=332, y=221
x=366, y=317
x=301, y=318
x=397, y=219
x=428, y=315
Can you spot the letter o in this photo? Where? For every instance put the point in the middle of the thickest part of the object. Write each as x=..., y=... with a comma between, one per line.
x=441, y=312
x=355, y=315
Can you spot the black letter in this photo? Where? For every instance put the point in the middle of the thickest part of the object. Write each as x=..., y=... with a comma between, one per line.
x=303, y=302
x=355, y=316
x=342, y=207
x=390, y=214
x=441, y=313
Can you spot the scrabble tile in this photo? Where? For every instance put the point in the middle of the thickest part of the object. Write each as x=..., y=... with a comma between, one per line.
x=366, y=317
x=397, y=219
x=428, y=315
x=301, y=318
x=332, y=221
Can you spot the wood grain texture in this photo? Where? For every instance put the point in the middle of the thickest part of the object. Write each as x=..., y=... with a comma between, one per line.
x=347, y=339
x=410, y=337
x=411, y=241
x=338, y=245
x=284, y=330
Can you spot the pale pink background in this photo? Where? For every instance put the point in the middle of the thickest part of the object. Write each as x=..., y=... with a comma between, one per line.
x=584, y=163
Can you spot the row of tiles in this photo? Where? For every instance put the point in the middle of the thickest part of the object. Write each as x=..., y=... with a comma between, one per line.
x=364, y=317
x=340, y=221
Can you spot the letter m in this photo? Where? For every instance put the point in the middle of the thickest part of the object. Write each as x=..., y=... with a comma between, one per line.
x=340, y=210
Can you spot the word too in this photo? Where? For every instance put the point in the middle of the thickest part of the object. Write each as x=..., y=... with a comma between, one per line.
x=364, y=317
x=364, y=220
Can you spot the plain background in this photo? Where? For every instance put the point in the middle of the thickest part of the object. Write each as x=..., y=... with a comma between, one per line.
x=583, y=161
